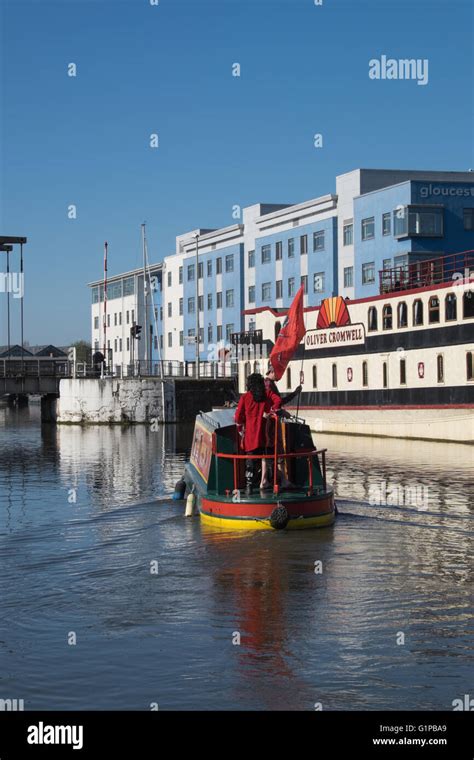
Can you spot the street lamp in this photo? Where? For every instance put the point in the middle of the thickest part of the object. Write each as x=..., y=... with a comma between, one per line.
x=197, y=304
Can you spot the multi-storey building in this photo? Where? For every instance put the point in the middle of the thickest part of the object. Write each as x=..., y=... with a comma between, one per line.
x=337, y=244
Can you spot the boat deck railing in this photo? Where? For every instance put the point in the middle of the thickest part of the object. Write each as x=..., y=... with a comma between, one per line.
x=277, y=456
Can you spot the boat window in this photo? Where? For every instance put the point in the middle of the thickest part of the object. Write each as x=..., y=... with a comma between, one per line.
x=468, y=304
x=433, y=309
x=288, y=378
x=450, y=306
x=365, y=374
x=387, y=317
x=385, y=375
x=403, y=372
x=315, y=376
x=417, y=312
x=440, y=368
x=469, y=366
x=277, y=329
x=372, y=319
x=402, y=314
x=334, y=375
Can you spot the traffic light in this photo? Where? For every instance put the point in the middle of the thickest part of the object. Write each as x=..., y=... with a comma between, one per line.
x=135, y=331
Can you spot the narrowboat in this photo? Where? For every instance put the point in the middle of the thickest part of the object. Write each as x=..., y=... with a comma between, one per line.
x=215, y=477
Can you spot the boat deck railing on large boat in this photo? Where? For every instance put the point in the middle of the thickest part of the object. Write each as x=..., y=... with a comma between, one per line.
x=420, y=274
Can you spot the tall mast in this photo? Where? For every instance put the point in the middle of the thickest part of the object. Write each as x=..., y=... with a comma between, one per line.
x=105, y=301
x=145, y=292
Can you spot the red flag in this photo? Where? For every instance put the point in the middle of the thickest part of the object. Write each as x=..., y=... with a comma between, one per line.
x=290, y=336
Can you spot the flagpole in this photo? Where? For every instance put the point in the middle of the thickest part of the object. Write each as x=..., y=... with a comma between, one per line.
x=302, y=360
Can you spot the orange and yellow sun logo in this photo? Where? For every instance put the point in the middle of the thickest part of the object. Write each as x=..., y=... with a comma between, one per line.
x=333, y=313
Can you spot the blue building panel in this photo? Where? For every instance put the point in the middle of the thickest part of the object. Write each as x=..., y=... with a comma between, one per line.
x=321, y=253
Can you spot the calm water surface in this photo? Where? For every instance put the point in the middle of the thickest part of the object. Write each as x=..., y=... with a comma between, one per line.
x=79, y=561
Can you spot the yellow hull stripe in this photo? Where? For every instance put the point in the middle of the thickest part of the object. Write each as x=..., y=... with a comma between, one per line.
x=299, y=523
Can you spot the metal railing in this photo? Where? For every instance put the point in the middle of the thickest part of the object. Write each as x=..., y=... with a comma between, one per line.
x=31, y=367
x=419, y=274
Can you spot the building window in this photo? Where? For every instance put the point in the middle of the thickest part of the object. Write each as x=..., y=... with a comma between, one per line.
x=191, y=305
x=315, y=376
x=219, y=266
x=127, y=317
x=276, y=329
x=190, y=272
x=348, y=277
x=115, y=319
x=468, y=304
x=418, y=221
x=201, y=335
x=229, y=298
x=170, y=309
x=201, y=303
x=209, y=334
x=209, y=268
x=251, y=293
x=219, y=300
x=385, y=375
x=133, y=316
x=469, y=366
x=108, y=320
x=417, y=312
x=252, y=325
x=334, y=375
x=266, y=291
x=318, y=240
x=372, y=319
x=170, y=340
x=161, y=313
x=251, y=259
x=386, y=264
x=440, y=368
x=368, y=228
x=266, y=254
x=433, y=310
x=219, y=333
x=368, y=273
x=365, y=374
x=200, y=270
x=291, y=286
x=348, y=233
x=96, y=323
x=120, y=318
x=304, y=283
x=180, y=307
x=229, y=263
x=450, y=307
x=161, y=342
x=170, y=279
x=386, y=224
x=402, y=314
x=387, y=317
x=303, y=244
x=279, y=289
x=180, y=275
x=229, y=329
x=403, y=372
x=288, y=378
x=181, y=338
x=468, y=218
x=291, y=248
x=278, y=250
x=209, y=301
x=128, y=344
x=318, y=282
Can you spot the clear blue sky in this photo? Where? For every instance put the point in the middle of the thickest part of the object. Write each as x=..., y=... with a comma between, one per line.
x=223, y=140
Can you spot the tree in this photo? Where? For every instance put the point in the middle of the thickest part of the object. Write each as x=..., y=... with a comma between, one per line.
x=83, y=350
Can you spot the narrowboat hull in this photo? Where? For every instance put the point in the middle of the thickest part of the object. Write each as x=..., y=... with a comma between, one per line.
x=310, y=513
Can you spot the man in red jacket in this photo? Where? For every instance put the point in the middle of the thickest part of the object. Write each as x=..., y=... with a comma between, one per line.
x=253, y=408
